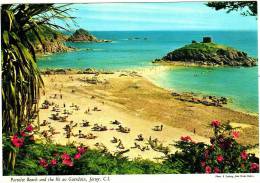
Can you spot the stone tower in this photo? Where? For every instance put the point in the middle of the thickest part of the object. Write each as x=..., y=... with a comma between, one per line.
x=207, y=40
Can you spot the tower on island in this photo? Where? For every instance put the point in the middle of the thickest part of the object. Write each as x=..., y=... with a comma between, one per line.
x=207, y=39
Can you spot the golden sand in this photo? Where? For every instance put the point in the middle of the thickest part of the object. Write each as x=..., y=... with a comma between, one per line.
x=140, y=105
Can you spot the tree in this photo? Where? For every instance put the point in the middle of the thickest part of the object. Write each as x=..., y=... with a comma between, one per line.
x=247, y=8
x=21, y=79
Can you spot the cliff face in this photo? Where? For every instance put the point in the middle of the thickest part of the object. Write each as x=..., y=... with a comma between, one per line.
x=82, y=35
x=209, y=54
x=53, y=41
x=53, y=47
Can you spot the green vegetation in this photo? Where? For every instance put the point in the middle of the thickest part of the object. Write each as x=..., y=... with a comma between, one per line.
x=21, y=77
x=247, y=8
x=21, y=80
x=82, y=35
x=92, y=162
x=81, y=32
x=222, y=155
x=46, y=33
x=211, y=54
x=205, y=48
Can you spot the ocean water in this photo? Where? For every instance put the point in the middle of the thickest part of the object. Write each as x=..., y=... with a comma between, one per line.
x=136, y=49
x=238, y=84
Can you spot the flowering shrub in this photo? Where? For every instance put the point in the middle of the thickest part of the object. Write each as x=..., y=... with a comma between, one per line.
x=45, y=159
x=61, y=162
x=18, y=140
x=223, y=155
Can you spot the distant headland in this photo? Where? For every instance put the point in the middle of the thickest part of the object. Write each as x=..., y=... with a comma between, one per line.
x=81, y=35
x=208, y=53
x=55, y=40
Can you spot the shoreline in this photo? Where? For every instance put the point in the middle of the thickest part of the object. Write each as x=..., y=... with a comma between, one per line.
x=166, y=67
x=139, y=104
x=192, y=64
x=146, y=72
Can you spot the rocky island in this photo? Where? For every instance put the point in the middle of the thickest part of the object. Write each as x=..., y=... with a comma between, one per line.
x=209, y=54
x=81, y=35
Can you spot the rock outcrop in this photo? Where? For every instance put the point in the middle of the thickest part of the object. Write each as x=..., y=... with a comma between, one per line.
x=53, y=47
x=205, y=100
x=53, y=42
x=82, y=35
x=210, y=54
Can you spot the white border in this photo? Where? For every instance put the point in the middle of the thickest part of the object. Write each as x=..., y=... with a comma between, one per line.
x=229, y=178
x=104, y=1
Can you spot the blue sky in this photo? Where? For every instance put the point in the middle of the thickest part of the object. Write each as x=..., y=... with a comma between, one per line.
x=158, y=16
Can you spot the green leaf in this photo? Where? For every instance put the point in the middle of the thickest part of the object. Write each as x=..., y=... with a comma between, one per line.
x=6, y=37
x=11, y=18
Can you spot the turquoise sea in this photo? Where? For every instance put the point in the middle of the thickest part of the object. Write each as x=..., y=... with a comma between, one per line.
x=136, y=49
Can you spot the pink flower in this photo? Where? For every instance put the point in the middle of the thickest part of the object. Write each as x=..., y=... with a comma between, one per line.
x=220, y=158
x=215, y=123
x=65, y=156
x=29, y=128
x=17, y=142
x=216, y=170
x=81, y=149
x=254, y=167
x=243, y=155
x=207, y=169
x=43, y=163
x=235, y=134
x=77, y=156
x=186, y=139
x=203, y=163
x=67, y=162
x=23, y=134
x=53, y=162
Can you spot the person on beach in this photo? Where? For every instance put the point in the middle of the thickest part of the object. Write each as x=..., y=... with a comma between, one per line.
x=85, y=123
x=161, y=127
x=140, y=137
x=120, y=145
x=81, y=135
x=114, y=140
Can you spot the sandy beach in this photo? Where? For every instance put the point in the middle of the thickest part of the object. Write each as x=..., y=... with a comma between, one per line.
x=139, y=105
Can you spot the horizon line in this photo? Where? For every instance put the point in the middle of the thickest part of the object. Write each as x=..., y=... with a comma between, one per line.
x=240, y=30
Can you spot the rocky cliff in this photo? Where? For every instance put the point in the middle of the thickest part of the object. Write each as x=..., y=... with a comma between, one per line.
x=54, y=46
x=209, y=54
x=82, y=35
x=53, y=41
